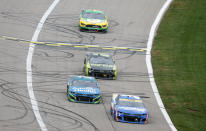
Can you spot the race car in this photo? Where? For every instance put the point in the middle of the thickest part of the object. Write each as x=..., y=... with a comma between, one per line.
x=129, y=109
x=93, y=20
x=83, y=89
x=100, y=65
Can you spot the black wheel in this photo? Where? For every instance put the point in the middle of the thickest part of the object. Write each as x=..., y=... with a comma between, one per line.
x=81, y=29
x=111, y=111
x=104, y=31
x=114, y=117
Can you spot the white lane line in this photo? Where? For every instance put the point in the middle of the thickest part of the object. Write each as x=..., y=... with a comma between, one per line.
x=29, y=67
x=149, y=64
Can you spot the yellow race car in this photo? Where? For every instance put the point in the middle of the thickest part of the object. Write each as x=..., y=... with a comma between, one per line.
x=93, y=20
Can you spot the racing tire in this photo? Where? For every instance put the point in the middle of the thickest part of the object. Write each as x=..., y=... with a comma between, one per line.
x=111, y=111
x=81, y=29
x=104, y=31
x=114, y=117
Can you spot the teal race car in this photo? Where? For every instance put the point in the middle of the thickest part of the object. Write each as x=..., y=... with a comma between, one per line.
x=83, y=89
x=100, y=65
x=93, y=20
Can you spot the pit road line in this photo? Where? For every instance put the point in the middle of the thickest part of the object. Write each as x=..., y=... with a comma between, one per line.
x=29, y=68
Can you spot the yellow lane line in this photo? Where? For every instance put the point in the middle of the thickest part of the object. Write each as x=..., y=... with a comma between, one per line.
x=74, y=45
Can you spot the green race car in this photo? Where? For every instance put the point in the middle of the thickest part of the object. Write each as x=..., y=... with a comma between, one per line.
x=100, y=65
x=93, y=20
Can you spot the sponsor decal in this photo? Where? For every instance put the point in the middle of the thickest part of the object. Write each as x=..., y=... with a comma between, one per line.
x=94, y=21
x=104, y=65
x=132, y=109
x=87, y=89
x=131, y=100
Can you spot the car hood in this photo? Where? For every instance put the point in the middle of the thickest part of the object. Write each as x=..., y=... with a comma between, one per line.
x=102, y=66
x=84, y=90
x=131, y=110
x=93, y=21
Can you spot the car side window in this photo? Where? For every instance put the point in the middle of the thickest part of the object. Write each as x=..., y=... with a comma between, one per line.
x=82, y=12
x=69, y=82
x=117, y=99
x=85, y=61
x=97, y=85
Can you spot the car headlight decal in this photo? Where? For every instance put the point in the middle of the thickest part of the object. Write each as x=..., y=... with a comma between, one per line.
x=71, y=94
x=104, y=25
x=82, y=23
x=97, y=97
x=111, y=71
x=90, y=70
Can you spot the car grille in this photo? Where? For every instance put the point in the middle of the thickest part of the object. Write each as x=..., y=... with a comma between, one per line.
x=84, y=98
x=132, y=118
x=103, y=73
x=127, y=114
x=85, y=95
x=93, y=26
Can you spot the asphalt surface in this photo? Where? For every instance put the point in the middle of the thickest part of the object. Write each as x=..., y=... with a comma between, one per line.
x=130, y=22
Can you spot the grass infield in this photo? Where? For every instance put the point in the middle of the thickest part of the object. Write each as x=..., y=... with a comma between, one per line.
x=179, y=63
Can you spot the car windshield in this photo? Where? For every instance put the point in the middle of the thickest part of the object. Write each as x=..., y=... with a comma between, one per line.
x=90, y=15
x=101, y=60
x=131, y=103
x=84, y=83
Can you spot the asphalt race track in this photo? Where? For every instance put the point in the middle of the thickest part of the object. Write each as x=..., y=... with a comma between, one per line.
x=130, y=22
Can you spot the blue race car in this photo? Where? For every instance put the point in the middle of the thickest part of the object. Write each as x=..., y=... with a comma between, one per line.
x=83, y=89
x=128, y=108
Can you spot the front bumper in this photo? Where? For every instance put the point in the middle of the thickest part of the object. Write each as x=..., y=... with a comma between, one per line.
x=107, y=74
x=132, y=118
x=93, y=27
x=82, y=98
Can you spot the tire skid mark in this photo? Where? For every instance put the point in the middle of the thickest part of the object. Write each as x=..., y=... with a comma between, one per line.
x=62, y=55
x=56, y=23
x=6, y=93
x=24, y=106
x=11, y=94
x=108, y=115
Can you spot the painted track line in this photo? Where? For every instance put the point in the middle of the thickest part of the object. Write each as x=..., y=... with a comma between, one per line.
x=86, y=46
x=29, y=67
x=149, y=64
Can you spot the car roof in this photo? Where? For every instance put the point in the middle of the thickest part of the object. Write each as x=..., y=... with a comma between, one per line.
x=98, y=54
x=93, y=11
x=129, y=97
